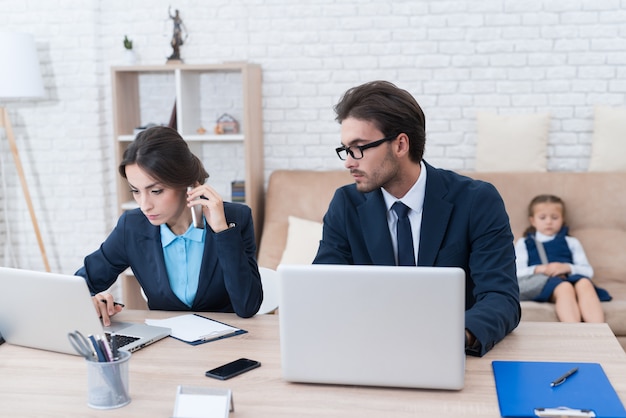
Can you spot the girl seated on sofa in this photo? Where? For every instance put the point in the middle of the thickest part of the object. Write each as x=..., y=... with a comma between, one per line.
x=552, y=266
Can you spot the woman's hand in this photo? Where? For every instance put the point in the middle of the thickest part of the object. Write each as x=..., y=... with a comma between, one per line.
x=106, y=307
x=212, y=206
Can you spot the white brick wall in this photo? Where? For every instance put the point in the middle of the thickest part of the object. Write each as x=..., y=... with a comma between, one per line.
x=456, y=57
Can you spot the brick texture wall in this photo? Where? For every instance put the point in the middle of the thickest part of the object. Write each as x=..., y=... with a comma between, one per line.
x=456, y=57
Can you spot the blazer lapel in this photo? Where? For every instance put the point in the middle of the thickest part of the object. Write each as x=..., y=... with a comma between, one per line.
x=154, y=270
x=435, y=217
x=373, y=219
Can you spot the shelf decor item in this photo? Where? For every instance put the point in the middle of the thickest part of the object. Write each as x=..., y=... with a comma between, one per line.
x=238, y=191
x=128, y=44
x=129, y=52
x=226, y=124
x=179, y=36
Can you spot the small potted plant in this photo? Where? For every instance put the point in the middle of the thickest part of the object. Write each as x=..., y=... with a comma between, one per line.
x=128, y=49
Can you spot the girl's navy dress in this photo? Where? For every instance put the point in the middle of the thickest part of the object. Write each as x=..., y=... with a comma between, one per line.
x=557, y=250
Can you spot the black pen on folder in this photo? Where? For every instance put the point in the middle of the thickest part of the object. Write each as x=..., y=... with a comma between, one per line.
x=563, y=378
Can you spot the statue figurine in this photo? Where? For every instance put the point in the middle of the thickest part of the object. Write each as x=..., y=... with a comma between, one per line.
x=178, y=38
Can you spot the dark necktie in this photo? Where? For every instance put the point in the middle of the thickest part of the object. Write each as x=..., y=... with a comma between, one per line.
x=406, y=254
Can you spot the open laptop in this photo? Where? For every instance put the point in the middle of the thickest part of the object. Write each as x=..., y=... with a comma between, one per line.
x=39, y=309
x=373, y=325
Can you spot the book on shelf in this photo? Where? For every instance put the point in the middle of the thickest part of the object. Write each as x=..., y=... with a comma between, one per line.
x=238, y=191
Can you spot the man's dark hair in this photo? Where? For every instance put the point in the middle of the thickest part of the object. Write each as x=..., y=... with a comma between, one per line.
x=392, y=110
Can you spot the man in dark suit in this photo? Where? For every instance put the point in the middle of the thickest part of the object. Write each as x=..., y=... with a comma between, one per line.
x=453, y=221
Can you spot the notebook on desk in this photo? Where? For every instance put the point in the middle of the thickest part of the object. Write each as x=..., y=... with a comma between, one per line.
x=373, y=325
x=544, y=389
x=38, y=309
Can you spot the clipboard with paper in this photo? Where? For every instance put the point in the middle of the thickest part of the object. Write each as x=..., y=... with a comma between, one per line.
x=196, y=329
x=524, y=390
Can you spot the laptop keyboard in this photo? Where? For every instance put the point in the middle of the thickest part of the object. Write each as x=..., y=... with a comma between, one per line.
x=121, y=340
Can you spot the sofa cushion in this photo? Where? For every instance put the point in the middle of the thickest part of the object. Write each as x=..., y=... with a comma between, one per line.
x=303, y=238
x=600, y=244
x=512, y=142
x=595, y=213
x=304, y=194
x=595, y=205
x=609, y=139
x=544, y=312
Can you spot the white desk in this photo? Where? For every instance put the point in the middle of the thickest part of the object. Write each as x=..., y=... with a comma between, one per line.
x=40, y=383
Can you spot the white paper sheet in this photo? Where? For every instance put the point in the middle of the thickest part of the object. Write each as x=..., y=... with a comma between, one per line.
x=191, y=327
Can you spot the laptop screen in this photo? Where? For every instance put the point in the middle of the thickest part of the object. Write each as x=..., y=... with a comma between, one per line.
x=38, y=310
x=373, y=325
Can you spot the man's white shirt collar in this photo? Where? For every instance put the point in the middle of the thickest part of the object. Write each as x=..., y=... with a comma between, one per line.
x=414, y=198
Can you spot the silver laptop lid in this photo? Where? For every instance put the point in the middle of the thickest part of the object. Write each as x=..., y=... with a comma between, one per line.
x=373, y=325
x=38, y=309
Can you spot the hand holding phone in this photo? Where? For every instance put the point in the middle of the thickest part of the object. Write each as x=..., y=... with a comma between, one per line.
x=196, y=214
x=232, y=369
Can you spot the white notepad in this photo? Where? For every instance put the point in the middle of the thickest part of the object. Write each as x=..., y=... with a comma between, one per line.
x=194, y=328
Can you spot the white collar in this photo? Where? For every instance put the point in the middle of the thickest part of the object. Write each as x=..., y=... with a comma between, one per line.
x=414, y=198
x=542, y=237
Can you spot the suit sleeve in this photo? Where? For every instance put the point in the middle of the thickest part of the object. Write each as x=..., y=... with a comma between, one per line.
x=334, y=247
x=496, y=309
x=237, y=257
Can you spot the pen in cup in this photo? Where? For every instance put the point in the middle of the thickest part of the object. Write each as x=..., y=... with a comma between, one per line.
x=114, y=349
x=105, y=347
x=563, y=378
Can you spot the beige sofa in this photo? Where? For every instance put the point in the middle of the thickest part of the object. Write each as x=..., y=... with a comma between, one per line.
x=596, y=214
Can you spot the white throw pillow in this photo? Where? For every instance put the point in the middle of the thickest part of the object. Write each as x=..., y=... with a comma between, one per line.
x=512, y=142
x=303, y=240
x=609, y=139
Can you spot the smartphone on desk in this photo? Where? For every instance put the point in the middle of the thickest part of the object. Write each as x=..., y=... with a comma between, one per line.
x=232, y=369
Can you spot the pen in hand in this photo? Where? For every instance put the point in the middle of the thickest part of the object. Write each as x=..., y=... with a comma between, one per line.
x=114, y=303
x=563, y=378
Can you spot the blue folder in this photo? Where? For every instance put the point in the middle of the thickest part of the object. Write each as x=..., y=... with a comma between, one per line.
x=524, y=389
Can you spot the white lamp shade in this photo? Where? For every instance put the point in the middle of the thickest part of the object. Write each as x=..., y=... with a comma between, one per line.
x=20, y=74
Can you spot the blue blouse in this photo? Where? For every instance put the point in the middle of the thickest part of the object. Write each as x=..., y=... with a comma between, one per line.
x=183, y=256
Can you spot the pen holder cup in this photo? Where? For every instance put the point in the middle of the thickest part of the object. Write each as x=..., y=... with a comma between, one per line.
x=107, y=383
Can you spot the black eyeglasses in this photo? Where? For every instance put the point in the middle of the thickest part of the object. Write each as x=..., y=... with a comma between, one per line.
x=356, y=151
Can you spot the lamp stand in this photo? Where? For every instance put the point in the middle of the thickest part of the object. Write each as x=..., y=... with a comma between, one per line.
x=4, y=122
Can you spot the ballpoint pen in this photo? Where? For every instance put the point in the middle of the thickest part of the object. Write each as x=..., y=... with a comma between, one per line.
x=114, y=348
x=563, y=378
x=114, y=303
x=216, y=334
x=98, y=349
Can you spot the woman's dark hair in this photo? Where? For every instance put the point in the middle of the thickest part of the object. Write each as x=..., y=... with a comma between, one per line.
x=163, y=154
x=543, y=198
x=392, y=110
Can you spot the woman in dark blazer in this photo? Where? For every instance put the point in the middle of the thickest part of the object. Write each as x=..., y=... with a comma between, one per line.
x=179, y=266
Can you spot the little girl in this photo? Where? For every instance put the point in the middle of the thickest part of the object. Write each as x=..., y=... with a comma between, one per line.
x=552, y=266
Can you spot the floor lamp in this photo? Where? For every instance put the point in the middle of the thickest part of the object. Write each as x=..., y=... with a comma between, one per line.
x=20, y=77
